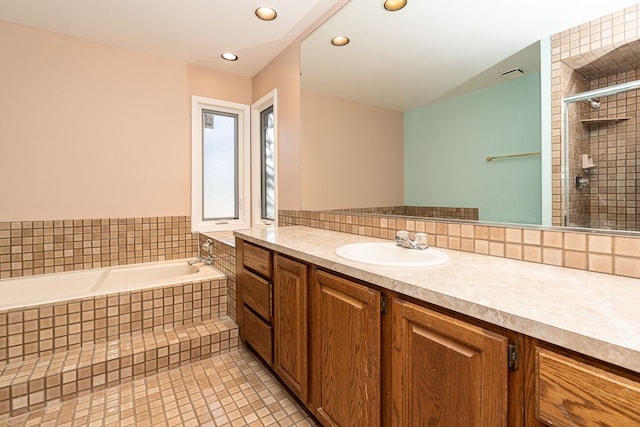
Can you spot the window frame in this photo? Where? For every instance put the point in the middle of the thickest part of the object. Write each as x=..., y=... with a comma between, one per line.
x=198, y=223
x=268, y=100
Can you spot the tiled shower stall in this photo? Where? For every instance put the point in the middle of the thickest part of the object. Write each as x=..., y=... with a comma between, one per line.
x=596, y=55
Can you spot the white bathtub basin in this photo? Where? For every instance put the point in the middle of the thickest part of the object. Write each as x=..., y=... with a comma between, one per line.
x=49, y=288
x=388, y=254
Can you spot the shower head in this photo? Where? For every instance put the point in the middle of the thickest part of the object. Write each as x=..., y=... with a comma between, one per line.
x=595, y=103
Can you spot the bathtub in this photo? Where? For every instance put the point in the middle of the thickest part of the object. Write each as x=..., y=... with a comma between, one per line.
x=50, y=288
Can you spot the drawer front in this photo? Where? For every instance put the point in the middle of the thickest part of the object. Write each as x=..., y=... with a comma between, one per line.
x=570, y=393
x=258, y=335
x=256, y=293
x=258, y=259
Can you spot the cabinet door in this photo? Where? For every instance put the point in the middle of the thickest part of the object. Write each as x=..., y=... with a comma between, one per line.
x=290, y=324
x=446, y=372
x=345, y=352
x=571, y=392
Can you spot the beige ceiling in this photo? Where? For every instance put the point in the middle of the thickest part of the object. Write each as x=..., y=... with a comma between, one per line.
x=434, y=49
x=452, y=41
x=194, y=31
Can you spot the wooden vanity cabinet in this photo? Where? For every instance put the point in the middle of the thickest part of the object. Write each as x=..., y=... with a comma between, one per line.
x=327, y=339
x=444, y=371
x=345, y=351
x=325, y=336
x=290, y=324
x=272, y=310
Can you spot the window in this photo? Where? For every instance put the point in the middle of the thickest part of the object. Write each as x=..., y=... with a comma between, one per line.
x=263, y=117
x=267, y=164
x=220, y=184
x=230, y=160
x=220, y=165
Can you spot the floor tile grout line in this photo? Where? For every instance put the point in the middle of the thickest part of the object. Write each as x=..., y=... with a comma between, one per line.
x=236, y=368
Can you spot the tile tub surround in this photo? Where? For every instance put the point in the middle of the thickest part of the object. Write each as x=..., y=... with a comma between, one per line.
x=224, y=260
x=35, y=383
x=48, y=328
x=42, y=247
x=598, y=252
x=591, y=313
x=60, y=350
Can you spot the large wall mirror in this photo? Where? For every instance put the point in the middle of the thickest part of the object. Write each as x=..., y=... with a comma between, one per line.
x=472, y=84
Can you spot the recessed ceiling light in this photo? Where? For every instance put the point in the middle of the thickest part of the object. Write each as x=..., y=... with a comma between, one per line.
x=393, y=5
x=266, y=13
x=340, y=41
x=230, y=56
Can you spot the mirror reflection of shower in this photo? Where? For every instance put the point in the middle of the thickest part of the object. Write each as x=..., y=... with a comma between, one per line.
x=595, y=103
x=601, y=158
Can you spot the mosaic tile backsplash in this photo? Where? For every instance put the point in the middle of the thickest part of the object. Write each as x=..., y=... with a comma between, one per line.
x=423, y=211
x=28, y=248
x=38, y=247
x=602, y=253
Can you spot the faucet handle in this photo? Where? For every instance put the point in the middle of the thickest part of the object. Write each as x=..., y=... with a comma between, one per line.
x=207, y=246
x=420, y=241
x=402, y=236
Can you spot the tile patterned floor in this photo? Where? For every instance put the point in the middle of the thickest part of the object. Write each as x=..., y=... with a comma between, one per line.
x=232, y=389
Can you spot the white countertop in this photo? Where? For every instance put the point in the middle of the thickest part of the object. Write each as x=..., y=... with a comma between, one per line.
x=591, y=313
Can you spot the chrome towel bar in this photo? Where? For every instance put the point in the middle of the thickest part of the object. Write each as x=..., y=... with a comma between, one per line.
x=489, y=158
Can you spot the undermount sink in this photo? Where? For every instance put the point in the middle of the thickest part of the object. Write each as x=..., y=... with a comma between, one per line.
x=388, y=254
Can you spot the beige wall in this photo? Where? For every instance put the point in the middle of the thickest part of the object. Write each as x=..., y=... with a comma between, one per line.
x=92, y=131
x=352, y=154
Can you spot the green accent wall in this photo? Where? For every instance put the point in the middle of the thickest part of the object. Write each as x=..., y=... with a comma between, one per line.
x=446, y=145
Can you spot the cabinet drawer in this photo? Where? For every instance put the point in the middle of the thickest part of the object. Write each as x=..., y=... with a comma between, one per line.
x=570, y=393
x=258, y=335
x=257, y=259
x=256, y=293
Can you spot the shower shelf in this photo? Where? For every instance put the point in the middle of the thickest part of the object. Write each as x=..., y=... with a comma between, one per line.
x=603, y=120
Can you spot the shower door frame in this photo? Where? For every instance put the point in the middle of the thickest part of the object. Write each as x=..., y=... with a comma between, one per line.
x=583, y=96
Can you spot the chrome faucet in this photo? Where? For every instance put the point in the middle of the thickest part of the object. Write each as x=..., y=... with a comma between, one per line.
x=419, y=240
x=207, y=247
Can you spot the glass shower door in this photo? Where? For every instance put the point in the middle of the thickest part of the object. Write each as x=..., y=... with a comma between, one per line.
x=602, y=158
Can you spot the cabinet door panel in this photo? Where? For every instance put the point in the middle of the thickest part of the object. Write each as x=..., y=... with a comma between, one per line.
x=570, y=392
x=447, y=364
x=290, y=324
x=346, y=345
x=258, y=335
x=446, y=372
x=256, y=293
x=257, y=259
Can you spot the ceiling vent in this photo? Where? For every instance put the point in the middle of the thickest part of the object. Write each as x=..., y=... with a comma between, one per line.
x=511, y=74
